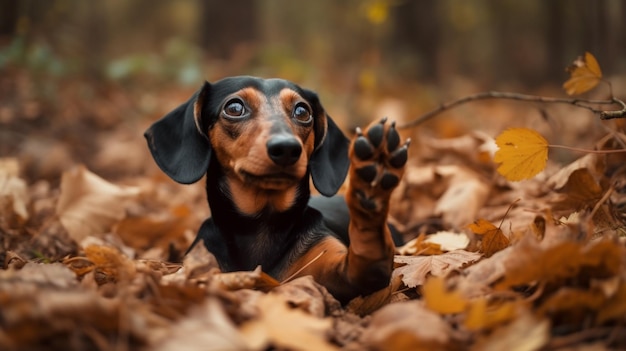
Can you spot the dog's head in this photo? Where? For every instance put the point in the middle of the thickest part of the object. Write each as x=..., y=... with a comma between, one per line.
x=268, y=133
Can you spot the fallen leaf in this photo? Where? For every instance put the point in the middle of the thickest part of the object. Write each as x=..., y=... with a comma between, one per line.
x=416, y=268
x=493, y=240
x=89, y=205
x=481, y=315
x=466, y=194
x=565, y=259
x=572, y=304
x=526, y=333
x=282, y=327
x=13, y=189
x=585, y=74
x=615, y=307
x=207, y=327
x=419, y=246
x=256, y=279
x=110, y=265
x=407, y=326
x=364, y=305
x=522, y=153
x=441, y=300
x=449, y=241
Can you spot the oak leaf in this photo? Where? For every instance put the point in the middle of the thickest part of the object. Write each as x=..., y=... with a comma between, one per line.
x=493, y=240
x=522, y=153
x=416, y=268
x=585, y=74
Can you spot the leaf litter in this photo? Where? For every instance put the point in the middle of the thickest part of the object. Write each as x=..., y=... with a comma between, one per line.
x=97, y=261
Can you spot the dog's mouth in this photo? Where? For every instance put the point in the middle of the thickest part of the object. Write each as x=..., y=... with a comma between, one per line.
x=271, y=181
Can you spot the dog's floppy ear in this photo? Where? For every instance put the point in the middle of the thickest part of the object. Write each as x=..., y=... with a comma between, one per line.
x=329, y=163
x=179, y=146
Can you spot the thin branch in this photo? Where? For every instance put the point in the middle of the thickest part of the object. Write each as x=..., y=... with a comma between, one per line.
x=599, y=152
x=523, y=97
x=616, y=113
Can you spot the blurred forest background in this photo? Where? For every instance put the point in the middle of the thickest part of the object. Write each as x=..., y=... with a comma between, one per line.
x=80, y=80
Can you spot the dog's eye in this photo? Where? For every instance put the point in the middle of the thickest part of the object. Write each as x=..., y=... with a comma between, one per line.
x=302, y=113
x=234, y=108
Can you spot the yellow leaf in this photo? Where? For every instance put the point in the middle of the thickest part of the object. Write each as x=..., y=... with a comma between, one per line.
x=482, y=316
x=585, y=74
x=493, y=240
x=439, y=299
x=522, y=153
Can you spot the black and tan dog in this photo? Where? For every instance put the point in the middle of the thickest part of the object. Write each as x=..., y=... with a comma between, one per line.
x=258, y=142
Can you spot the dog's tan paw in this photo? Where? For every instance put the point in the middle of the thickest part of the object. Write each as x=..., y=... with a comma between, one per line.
x=377, y=164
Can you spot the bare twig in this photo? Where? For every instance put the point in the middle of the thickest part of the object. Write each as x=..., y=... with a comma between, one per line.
x=583, y=103
x=616, y=113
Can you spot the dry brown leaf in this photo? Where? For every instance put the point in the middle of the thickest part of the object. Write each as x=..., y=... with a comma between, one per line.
x=89, y=205
x=594, y=163
x=477, y=279
x=13, y=190
x=525, y=333
x=581, y=191
x=493, y=240
x=407, y=326
x=110, y=265
x=149, y=232
x=573, y=303
x=615, y=307
x=532, y=263
x=441, y=300
x=466, y=194
x=306, y=294
x=364, y=305
x=585, y=74
x=256, y=279
x=419, y=246
x=206, y=328
x=416, y=268
x=282, y=327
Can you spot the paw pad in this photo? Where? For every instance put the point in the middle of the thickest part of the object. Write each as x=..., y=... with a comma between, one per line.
x=378, y=163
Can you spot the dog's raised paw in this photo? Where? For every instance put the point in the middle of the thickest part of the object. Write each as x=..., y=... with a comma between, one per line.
x=378, y=159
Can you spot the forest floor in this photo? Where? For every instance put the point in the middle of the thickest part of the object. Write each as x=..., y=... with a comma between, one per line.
x=93, y=235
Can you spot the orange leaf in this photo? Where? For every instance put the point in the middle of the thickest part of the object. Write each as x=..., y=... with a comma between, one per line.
x=493, y=240
x=482, y=316
x=522, y=153
x=585, y=74
x=439, y=299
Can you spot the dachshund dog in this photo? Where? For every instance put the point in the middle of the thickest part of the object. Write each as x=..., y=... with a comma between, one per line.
x=260, y=142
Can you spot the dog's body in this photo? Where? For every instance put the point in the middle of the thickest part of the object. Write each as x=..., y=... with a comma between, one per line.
x=258, y=142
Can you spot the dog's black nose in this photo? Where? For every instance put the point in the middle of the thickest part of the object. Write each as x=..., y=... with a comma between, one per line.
x=284, y=150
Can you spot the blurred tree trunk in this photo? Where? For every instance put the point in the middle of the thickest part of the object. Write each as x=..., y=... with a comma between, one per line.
x=8, y=18
x=555, y=40
x=224, y=25
x=416, y=32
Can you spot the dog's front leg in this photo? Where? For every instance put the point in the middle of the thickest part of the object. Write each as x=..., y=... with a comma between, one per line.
x=377, y=165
